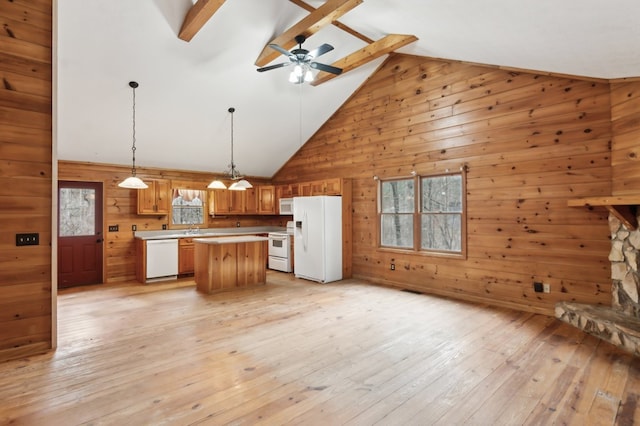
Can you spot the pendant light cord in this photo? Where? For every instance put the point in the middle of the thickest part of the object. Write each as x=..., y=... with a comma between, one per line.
x=232, y=165
x=133, y=85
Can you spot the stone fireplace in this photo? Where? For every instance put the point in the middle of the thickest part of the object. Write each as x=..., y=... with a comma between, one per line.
x=618, y=324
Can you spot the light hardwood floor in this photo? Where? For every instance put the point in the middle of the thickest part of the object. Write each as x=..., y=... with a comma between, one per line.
x=296, y=352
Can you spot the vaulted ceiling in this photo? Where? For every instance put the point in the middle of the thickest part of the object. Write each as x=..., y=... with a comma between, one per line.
x=193, y=62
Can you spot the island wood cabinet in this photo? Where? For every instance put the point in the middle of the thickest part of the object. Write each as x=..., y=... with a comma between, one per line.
x=230, y=263
x=186, y=256
x=155, y=200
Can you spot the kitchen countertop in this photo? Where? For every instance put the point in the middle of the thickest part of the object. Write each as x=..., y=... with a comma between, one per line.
x=207, y=232
x=231, y=240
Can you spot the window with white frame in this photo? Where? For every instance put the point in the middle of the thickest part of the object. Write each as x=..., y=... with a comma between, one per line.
x=423, y=213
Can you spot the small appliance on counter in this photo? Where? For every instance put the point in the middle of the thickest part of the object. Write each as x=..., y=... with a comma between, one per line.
x=280, y=252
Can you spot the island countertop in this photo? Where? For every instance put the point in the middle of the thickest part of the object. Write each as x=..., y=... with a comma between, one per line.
x=207, y=232
x=230, y=240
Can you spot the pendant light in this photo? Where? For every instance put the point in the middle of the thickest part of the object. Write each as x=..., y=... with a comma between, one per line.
x=133, y=182
x=239, y=183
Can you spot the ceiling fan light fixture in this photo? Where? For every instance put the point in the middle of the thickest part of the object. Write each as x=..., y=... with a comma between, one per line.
x=308, y=76
x=303, y=61
x=133, y=182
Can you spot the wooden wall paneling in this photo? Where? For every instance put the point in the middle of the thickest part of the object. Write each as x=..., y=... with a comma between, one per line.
x=530, y=142
x=26, y=318
x=625, y=114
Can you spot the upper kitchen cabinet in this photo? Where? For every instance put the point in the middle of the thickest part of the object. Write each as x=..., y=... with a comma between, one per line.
x=266, y=199
x=250, y=200
x=225, y=202
x=257, y=200
x=155, y=200
x=287, y=191
x=331, y=186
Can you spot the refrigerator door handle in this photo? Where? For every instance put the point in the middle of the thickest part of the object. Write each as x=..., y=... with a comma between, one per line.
x=305, y=232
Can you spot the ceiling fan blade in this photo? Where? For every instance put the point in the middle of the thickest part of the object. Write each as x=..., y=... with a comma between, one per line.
x=280, y=49
x=272, y=67
x=320, y=50
x=327, y=68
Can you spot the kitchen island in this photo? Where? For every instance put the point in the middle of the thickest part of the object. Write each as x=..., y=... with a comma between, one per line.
x=229, y=263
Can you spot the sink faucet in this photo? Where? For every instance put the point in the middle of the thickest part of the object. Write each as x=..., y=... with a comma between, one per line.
x=193, y=229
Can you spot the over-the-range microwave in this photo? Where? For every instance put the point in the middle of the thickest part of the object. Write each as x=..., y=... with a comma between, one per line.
x=286, y=206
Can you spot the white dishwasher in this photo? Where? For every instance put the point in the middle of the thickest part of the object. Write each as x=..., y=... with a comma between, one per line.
x=162, y=259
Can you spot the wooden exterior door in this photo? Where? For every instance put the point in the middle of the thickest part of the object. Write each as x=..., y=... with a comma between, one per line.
x=80, y=239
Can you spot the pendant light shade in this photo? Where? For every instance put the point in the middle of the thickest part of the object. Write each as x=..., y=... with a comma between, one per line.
x=239, y=183
x=217, y=184
x=133, y=182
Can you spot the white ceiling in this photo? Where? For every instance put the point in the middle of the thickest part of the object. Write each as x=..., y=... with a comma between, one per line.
x=186, y=88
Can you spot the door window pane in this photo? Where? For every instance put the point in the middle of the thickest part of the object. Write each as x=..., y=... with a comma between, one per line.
x=77, y=212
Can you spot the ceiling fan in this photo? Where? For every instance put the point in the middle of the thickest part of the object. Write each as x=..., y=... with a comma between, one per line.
x=303, y=61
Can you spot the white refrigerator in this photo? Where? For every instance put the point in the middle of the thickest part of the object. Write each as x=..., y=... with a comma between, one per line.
x=318, y=238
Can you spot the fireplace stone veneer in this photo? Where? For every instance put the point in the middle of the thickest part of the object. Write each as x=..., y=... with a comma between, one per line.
x=618, y=324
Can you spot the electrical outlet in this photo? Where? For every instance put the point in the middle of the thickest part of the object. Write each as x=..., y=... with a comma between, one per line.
x=113, y=228
x=393, y=266
x=537, y=287
x=32, y=239
x=546, y=287
x=164, y=226
x=238, y=224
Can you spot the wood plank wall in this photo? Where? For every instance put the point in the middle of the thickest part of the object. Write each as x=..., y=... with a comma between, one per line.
x=530, y=143
x=120, y=206
x=25, y=176
x=625, y=155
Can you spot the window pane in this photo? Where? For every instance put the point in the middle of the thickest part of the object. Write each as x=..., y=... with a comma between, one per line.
x=441, y=232
x=398, y=196
x=187, y=207
x=397, y=230
x=77, y=212
x=442, y=194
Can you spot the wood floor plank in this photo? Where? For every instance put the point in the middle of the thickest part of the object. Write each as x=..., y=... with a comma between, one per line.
x=297, y=352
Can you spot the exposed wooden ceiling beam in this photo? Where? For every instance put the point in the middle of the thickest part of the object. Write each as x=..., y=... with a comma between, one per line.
x=197, y=16
x=338, y=24
x=312, y=23
x=376, y=49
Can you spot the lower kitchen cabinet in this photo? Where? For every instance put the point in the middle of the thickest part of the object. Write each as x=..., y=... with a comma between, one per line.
x=186, y=256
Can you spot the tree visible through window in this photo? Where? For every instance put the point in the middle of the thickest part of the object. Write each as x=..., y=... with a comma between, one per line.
x=398, y=207
x=423, y=213
x=441, y=213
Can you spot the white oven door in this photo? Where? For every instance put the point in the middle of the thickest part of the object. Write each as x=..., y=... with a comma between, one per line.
x=279, y=245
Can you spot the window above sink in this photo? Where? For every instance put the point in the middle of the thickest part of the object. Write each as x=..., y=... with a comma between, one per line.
x=188, y=208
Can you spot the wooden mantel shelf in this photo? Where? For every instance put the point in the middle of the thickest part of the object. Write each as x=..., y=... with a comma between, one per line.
x=622, y=207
